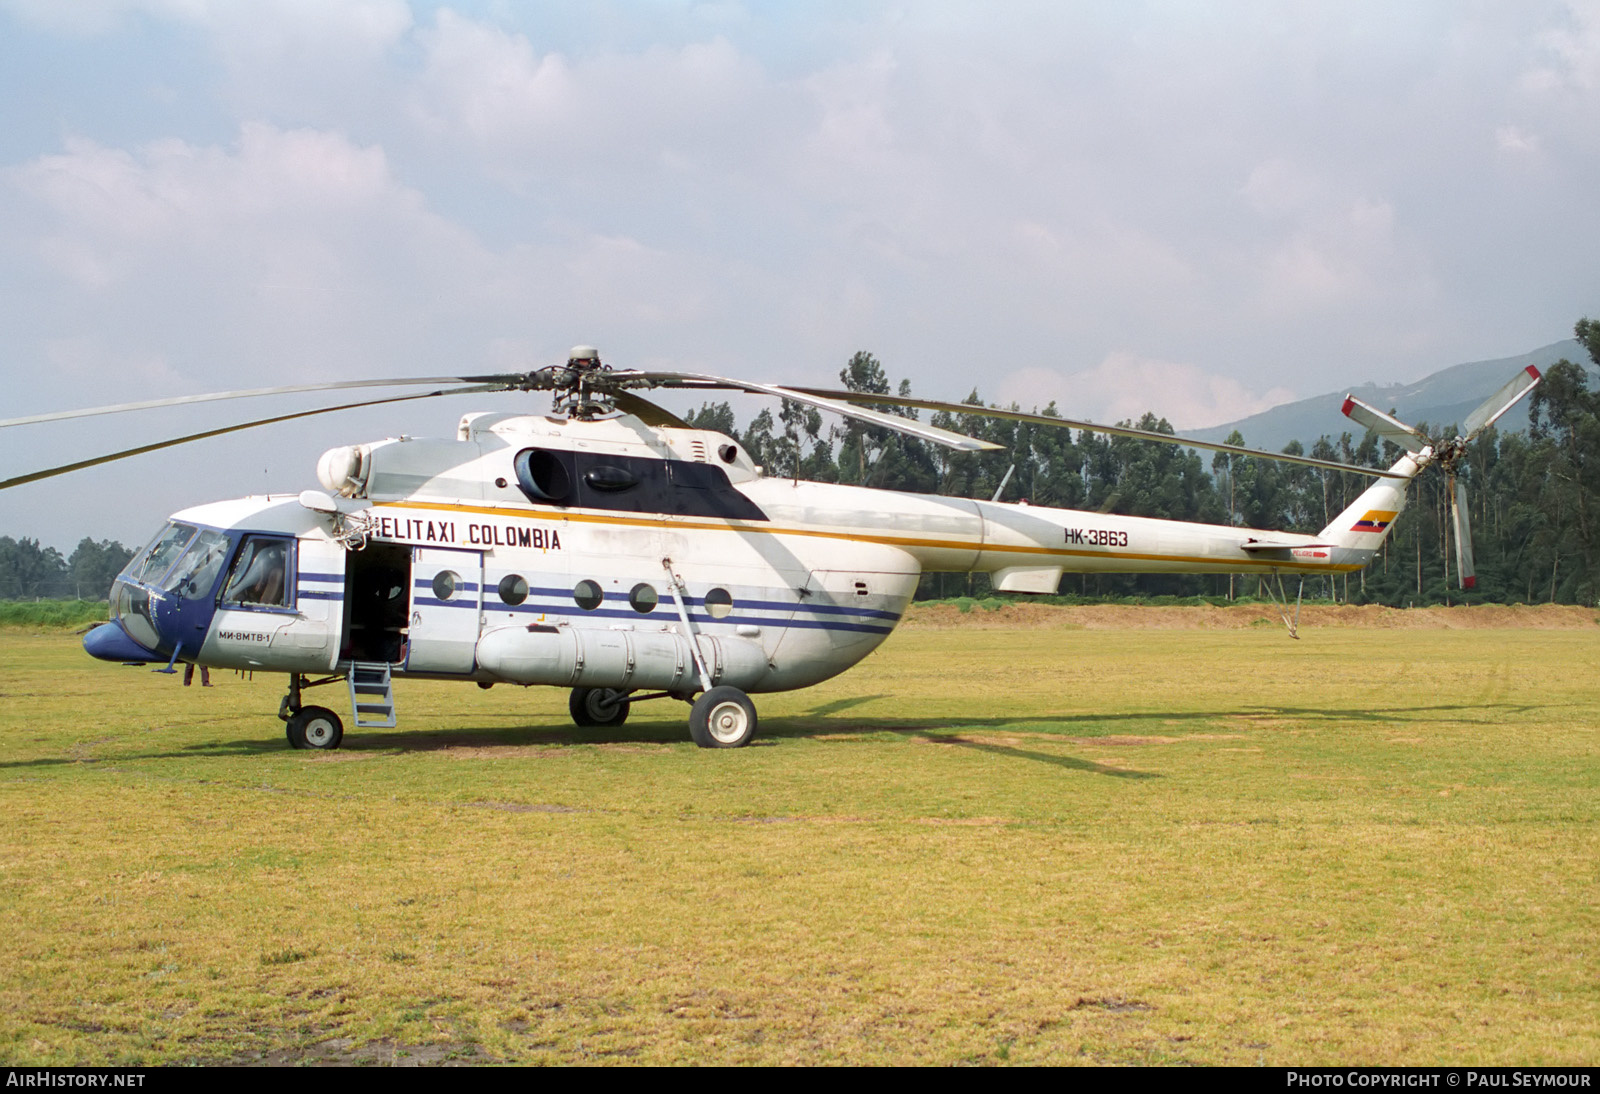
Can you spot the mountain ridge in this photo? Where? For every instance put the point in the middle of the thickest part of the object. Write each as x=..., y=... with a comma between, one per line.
x=1438, y=399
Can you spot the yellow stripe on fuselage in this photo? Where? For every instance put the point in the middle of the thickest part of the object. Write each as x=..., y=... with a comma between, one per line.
x=767, y=528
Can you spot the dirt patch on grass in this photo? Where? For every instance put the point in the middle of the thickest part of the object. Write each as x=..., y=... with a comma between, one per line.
x=1022, y=615
x=520, y=807
x=502, y=752
x=343, y=1052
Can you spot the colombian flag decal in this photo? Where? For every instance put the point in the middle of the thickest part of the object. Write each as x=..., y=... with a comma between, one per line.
x=1376, y=520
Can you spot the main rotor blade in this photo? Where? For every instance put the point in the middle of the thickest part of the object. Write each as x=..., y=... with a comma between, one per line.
x=646, y=411
x=1383, y=425
x=1500, y=402
x=908, y=426
x=1461, y=524
x=1109, y=430
x=252, y=393
x=158, y=445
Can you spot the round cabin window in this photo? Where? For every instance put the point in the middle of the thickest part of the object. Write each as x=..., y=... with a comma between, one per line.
x=719, y=603
x=445, y=583
x=643, y=598
x=513, y=589
x=588, y=595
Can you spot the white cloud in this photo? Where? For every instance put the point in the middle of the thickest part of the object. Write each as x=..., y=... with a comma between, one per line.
x=271, y=25
x=291, y=250
x=1511, y=139
x=1125, y=386
x=83, y=360
x=1326, y=247
x=577, y=122
x=1573, y=49
x=98, y=16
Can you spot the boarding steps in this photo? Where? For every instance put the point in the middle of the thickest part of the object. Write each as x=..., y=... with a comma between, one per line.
x=371, y=695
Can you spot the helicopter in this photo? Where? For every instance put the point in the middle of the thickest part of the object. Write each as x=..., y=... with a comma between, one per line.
x=608, y=548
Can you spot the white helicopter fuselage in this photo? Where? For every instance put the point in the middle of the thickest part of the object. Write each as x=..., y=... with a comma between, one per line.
x=615, y=554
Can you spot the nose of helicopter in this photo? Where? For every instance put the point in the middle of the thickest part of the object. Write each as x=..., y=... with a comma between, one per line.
x=109, y=642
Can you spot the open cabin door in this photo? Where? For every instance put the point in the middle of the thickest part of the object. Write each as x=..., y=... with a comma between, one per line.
x=446, y=604
x=377, y=603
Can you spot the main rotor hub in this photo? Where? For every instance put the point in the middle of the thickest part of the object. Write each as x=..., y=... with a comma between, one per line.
x=580, y=392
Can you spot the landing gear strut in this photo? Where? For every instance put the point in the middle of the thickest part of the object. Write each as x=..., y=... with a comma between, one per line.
x=308, y=727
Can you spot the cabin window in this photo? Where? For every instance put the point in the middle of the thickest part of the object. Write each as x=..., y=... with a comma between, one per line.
x=260, y=574
x=445, y=584
x=588, y=595
x=610, y=479
x=719, y=603
x=513, y=589
x=644, y=598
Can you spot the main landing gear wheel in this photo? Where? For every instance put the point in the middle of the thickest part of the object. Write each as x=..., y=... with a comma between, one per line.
x=315, y=727
x=723, y=717
x=598, y=706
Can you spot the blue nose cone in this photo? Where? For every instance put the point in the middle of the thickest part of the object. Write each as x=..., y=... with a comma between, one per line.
x=109, y=642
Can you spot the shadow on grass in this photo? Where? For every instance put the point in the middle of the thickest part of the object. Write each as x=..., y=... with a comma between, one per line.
x=818, y=723
x=772, y=734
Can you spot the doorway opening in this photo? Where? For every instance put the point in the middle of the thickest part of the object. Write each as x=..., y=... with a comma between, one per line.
x=377, y=581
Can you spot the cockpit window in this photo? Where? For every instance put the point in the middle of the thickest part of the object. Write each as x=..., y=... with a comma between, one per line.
x=155, y=560
x=195, y=575
x=260, y=575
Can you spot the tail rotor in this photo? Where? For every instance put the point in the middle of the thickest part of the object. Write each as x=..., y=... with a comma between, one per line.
x=1448, y=452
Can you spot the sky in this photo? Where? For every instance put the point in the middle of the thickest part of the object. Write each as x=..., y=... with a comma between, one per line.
x=1200, y=210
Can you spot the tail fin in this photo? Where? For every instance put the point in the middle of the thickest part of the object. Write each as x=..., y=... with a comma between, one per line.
x=1364, y=525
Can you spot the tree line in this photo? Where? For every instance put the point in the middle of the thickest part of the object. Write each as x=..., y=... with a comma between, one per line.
x=1534, y=496
x=29, y=571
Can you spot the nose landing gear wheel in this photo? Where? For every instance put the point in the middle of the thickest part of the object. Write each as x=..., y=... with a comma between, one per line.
x=315, y=727
x=723, y=717
x=598, y=706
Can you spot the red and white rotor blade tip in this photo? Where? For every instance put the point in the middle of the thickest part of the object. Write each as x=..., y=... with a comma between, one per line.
x=1383, y=425
x=1500, y=402
x=1462, y=526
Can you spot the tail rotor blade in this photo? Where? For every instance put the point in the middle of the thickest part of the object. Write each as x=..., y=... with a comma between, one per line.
x=1500, y=402
x=1383, y=424
x=1461, y=525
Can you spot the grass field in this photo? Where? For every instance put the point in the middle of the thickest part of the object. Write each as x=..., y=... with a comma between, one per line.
x=994, y=846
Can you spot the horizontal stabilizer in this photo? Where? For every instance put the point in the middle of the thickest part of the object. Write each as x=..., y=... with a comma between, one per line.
x=1280, y=545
